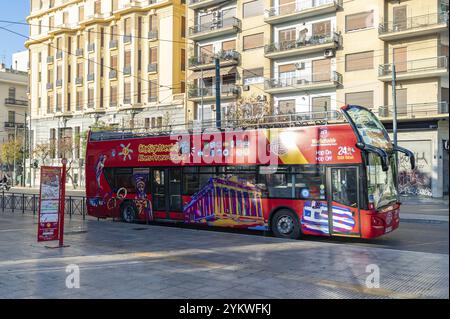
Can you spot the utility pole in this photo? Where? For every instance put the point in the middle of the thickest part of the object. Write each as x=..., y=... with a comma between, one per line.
x=218, y=90
x=14, y=152
x=24, y=147
x=201, y=96
x=394, y=103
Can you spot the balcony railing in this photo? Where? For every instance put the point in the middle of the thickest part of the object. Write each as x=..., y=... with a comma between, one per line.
x=428, y=64
x=49, y=86
x=127, y=100
x=209, y=91
x=79, y=52
x=127, y=38
x=113, y=74
x=14, y=124
x=152, y=99
x=415, y=110
x=225, y=55
x=413, y=23
x=214, y=26
x=59, y=55
x=12, y=101
x=298, y=7
x=113, y=44
x=79, y=80
x=59, y=83
x=50, y=59
x=91, y=47
x=127, y=70
x=153, y=35
x=90, y=77
x=298, y=81
x=152, y=67
x=302, y=43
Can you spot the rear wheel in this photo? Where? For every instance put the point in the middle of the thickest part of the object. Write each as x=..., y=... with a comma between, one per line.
x=285, y=224
x=128, y=212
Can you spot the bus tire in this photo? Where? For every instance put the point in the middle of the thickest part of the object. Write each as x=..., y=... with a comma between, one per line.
x=128, y=212
x=285, y=224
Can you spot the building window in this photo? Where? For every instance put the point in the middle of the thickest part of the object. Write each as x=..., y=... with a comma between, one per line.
x=114, y=5
x=113, y=95
x=183, y=87
x=97, y=7
x=153, y=91
x=254, y=41
x=286, y=107
x=90, y=97
x=127, y=92
x=360, y=98
x=58, y=102
x=113, y=31
x=253, y=8
x=359, y=21
x=50, y=104
x=153, y=55
x=253, y=76
x=321, y=29
x=11, y=116
x=12, y=93
x=183, y=60
x=80, y=102
x=77, y=142
x=183, y=27
x=229, y=45
x=80, y=13
x=127, y=59
x=321, y=104
x=51, y=23
x=153, y=23
x=359, y=61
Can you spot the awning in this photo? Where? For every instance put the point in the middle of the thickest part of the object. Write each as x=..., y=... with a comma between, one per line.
x=212, y=73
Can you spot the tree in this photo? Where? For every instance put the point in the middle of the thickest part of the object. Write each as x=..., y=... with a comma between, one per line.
x=11, y=151
x=247, y=111
x=43, y=151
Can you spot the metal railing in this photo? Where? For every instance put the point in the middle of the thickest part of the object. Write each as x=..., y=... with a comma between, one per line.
x=152, y=67
x=153, y=35
x=224, y=55
x=225, y=89
x=298, y=7
x=302, y=43
x=298, y=81
x=215, y=25
x=113, y=44
x=29, y=204
x=413, y=22
x=415, y=110
x=12, y=101
x=440, y=62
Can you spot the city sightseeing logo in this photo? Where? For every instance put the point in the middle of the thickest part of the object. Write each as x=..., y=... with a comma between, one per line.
x=126, y=151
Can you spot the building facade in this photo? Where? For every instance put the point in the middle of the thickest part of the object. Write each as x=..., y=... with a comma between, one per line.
x=312, y=56
x=118, y=63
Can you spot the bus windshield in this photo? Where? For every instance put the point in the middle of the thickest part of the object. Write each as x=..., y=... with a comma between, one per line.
x=382, y=189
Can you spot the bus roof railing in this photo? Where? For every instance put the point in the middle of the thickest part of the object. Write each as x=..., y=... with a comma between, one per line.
x=251, y=122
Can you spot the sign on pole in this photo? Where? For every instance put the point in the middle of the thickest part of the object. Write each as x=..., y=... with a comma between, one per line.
x=49, y=203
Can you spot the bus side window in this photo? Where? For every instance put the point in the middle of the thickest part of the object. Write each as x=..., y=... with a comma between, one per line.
x=344, y=186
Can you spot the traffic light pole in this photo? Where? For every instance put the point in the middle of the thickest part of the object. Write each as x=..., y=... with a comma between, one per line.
x=218, y=90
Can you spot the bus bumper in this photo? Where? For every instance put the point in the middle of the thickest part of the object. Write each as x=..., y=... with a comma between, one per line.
x=377, y=224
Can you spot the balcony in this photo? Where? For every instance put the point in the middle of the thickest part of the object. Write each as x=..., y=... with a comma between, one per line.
x=14, y=124
x=127, y=70
x=59, y=83
x=152, y=67
x=50, y=59
x=226, y=58
x=90, y=77
x=91, y=47
x=112, y=74
x=200, y=4
x=79, y=80
x=415, y=111
x=314, y=81
x=215, y=29
x=302, y=46
x=127, y=100
x=300, y=9
x=59, y=55
x=79, y=52
x=49, y=86
x=152, y=35
x=152, y=99
x=127, y=38
x=227, y=91
x=415, y=69
x=113, y=44
x=15, y=102
x=413, y=26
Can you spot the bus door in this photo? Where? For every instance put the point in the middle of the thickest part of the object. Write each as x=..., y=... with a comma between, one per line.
x=343, y=197
x=166, y=192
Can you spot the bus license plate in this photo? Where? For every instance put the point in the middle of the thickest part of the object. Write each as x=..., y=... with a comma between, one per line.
x=388, y=229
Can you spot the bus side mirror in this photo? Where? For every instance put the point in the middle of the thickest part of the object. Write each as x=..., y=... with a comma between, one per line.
x=408, y=153
x=381, y=153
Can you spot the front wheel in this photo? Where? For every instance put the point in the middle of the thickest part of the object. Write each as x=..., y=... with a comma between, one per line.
x=128, y=212
x=285, y=224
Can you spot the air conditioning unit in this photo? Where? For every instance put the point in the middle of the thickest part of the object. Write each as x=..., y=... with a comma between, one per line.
x=329, y=53
x=300, y=65
x=246, y=88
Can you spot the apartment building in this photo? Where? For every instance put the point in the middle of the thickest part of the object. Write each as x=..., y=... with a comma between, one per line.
x=311, y=56
x=118, y=63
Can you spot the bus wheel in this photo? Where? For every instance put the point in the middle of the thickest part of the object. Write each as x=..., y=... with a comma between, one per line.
x=128, y=212
x=285, y=224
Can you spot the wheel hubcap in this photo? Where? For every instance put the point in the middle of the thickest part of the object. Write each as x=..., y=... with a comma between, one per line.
x=285, y=225
x=128, y=214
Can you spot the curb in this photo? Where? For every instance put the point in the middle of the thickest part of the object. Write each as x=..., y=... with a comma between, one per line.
x=424, y=219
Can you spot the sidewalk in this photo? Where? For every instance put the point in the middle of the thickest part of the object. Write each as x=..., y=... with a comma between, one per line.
x=424, y=209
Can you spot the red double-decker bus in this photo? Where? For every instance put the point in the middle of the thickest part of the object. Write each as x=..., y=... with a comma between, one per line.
x=298, y=174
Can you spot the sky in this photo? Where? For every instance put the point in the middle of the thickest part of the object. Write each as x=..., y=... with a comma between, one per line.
x=12, y=10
